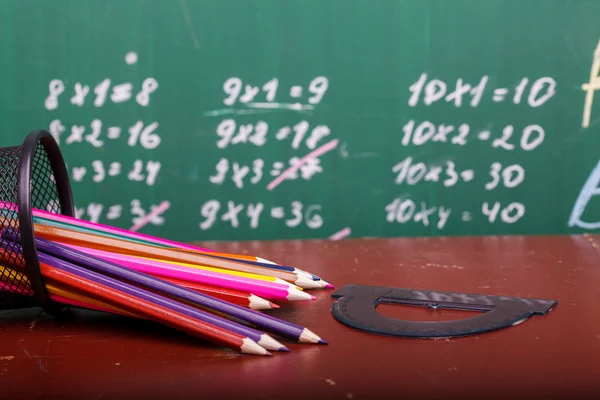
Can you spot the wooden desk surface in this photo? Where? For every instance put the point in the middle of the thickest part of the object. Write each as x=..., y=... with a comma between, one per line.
x=94, y=356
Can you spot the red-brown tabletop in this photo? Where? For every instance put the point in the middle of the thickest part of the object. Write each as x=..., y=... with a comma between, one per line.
x=92, y=355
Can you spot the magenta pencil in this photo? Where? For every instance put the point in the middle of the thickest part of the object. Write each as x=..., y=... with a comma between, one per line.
x=7, y=287
x=266, y=289
x=114, y=230
x=106, y=228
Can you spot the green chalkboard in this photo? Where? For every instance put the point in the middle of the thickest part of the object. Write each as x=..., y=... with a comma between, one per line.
x=270, y=119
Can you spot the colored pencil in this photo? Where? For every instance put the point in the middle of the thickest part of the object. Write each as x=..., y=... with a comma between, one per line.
x=74, y=299
x=103, y=254
x=262, y=339
x=88, y=305
x=270, y=265
x=17, y=289
x=268, y=278
x=72, y=237
x=114, y=292
x=59, y=217
x=136, y=249
x=262, y=288
x=244, y=299
x=91, y=227
x=166, y=303
x=70, y=223
x=55, y=292
x=234, y=296
x=258, y=319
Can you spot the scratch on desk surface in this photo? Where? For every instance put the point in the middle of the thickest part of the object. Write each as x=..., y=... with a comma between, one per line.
x=592, y=242
x=429, y=377
x=442, y=266
x=40, y=362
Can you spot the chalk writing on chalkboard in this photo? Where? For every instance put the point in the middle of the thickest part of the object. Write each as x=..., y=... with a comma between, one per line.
x=411, y=170
x=591, y=187
x=177, y=137
x=97, y=133
x=310, y=141
x=591, y=87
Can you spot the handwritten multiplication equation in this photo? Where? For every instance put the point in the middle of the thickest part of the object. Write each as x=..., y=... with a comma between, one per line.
x=301, y=136
x=509, y=137
x=534, y=93
x=302, y=133
x=99, y=133
x=96, y=134
x=235, y=214
x=269, y=94
x=452, y=172
x=411, y=172
x=132, y=212
x=308, y=139
x=406, y=210
x=245, y=174
x=99, y=171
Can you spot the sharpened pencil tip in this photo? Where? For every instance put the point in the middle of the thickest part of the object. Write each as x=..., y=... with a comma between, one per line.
x=321, y=341
x=273, y=305
x=269, y=343
x=327, y=285
x=308, y=337
x=284, y=349
x=264, y=261
x=285, y=283
x=294, y=294
x=307, y=283
x=249, y=346
x=313, y=297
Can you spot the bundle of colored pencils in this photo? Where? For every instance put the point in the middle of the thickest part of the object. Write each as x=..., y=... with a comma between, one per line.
x=212, y=295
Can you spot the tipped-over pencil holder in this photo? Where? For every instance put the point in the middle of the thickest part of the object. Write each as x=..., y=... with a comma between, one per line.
x=32, y=175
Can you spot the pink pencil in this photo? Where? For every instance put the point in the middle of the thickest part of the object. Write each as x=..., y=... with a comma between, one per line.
x=114, y=230
x=4, y=286
x=266, y=289
x=105, y=228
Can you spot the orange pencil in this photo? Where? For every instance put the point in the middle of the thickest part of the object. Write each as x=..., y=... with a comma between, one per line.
x=69, y=236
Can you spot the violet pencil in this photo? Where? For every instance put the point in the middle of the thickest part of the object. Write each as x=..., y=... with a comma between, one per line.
x=260, y=320
x=260, y=338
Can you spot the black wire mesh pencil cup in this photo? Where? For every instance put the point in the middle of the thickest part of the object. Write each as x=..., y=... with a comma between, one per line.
x=32, y=175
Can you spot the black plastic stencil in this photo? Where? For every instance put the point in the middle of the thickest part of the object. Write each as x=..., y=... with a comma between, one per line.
x=355, y=306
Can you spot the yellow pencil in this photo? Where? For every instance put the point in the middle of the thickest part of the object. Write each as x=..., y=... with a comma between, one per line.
x=56, y=293
x=224, y=271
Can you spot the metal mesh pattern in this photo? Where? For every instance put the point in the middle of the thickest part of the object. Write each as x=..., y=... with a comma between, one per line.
x=44, y=194
x=15, y=288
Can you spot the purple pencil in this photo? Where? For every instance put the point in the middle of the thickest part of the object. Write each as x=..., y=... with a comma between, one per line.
x=260, y=338
x=260, y=320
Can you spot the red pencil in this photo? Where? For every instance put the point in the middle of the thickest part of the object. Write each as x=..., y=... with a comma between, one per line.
x=244, y=299
x=154, y=312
